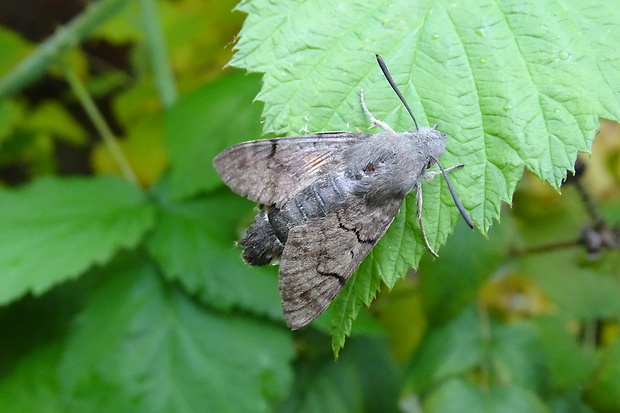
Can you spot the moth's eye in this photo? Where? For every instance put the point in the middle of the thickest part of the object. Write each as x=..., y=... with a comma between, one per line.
x=368, y=169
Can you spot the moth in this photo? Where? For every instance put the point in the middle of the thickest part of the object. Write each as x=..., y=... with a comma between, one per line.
x=326, y=199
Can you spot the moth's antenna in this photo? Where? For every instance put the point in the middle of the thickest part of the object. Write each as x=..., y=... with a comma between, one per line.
x=387, y=75
x=457, y=201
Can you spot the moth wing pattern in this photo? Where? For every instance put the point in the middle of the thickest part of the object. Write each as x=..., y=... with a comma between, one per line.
x=319, y=257
x=272, y=171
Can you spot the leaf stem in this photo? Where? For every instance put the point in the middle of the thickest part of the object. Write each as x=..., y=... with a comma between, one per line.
x=486, y=363
x=156, y=44
x=66, y=37
x=100, y=124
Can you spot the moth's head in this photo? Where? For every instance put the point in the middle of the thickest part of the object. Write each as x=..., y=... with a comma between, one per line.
x=432, y=144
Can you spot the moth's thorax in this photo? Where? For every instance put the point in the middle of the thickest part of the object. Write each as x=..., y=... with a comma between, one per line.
x=388, y=165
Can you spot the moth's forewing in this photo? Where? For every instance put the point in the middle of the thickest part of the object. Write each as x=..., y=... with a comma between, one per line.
x=272, y=171
x=321, y=256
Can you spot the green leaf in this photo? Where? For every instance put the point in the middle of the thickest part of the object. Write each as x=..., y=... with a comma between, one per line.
x=602, y=394
x=381, y=377
x=364, y=379
x=446, y=289
x=142, y=345
x=50, y=117
x=194, y=244
x=33, y=386
x=54, y=229
x=14, y=49
x=326, y=387
x=508, y=81
x=581, y=292
x=510, y=354
x=205, y=122
x=447, y=351
x=10, y=115
x=517, y=357
x=454, y=395
x=569, y=403
x=569, y=362
x=513, y=84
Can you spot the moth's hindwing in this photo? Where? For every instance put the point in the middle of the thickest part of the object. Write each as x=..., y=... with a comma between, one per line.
x=319, y=257
x=272, y=171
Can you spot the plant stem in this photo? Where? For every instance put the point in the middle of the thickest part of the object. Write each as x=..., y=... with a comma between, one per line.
x=156, y=44
x=100, y=124
x=66, y=37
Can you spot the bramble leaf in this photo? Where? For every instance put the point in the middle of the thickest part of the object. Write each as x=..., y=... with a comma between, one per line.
x=54, y=229
x=513, y=84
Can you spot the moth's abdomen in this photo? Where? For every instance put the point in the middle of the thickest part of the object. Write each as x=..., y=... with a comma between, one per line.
x=315, y=201
x=264, y=240
x=260, y=243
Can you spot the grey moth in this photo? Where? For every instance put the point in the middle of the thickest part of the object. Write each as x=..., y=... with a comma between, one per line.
x=325, y=200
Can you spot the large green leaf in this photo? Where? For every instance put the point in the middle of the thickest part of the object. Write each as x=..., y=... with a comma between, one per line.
x=204, y=123
x=54, y=229
x=513, y=83
x=194, y=244
x=143, y=345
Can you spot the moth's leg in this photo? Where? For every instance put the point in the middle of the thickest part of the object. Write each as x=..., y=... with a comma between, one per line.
x=431, y=174
x=374, y=121
x=418, y=197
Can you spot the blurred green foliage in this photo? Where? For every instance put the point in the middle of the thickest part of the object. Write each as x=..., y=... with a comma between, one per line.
x=128, y=295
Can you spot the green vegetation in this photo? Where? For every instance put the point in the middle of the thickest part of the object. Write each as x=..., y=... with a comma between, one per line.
x=120, y=285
